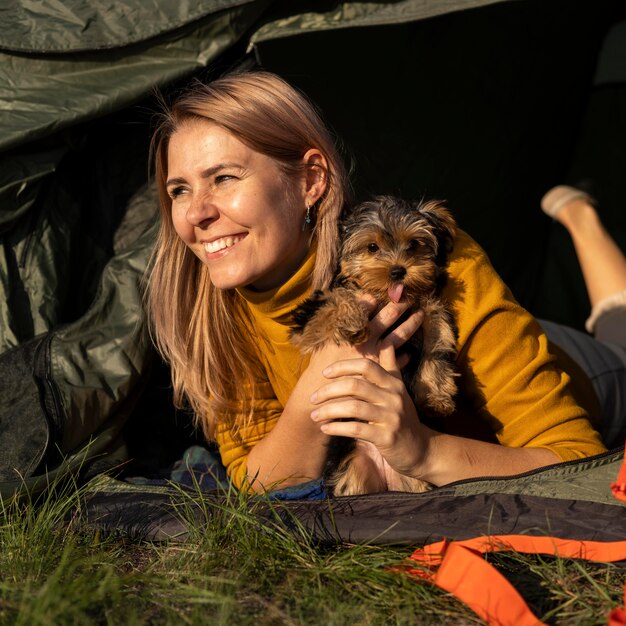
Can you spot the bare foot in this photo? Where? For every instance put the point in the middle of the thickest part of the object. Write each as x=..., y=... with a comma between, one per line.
x=602, y=262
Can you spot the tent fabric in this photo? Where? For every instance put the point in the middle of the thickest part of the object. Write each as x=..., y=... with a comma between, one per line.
x=128, y=47
x=360, y=14
x=81, y=390
x=390, y=519
x=24, y=429
x=80, y=26
x=41, y=93
x=574, y=509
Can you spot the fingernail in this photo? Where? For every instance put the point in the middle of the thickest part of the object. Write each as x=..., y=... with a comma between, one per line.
x=327, y=371
x=314, y=414
x=313, y=398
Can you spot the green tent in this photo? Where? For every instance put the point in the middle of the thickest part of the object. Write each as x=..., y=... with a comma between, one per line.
x=482, y=103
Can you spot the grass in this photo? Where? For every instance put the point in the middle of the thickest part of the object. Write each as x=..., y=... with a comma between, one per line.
x=55, y=571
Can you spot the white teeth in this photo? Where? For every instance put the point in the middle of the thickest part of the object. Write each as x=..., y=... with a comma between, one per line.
x=220, y=244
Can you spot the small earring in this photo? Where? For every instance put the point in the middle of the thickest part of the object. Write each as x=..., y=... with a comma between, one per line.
x=307, y=218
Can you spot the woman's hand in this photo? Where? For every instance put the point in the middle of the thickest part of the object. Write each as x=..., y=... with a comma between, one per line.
x=278, y=458
x=367, y=399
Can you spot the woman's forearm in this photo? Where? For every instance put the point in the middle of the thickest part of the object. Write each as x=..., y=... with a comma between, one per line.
x=449, y=458
x=295, y=449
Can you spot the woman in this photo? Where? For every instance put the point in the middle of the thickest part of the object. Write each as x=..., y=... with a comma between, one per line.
x=251, y=187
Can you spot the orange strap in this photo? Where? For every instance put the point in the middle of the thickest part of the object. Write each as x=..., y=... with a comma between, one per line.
x=605, y=551
x=465, y=574
x=619, y=486
x=458, y=567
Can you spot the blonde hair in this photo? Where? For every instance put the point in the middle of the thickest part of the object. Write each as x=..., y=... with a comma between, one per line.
x=273, y=118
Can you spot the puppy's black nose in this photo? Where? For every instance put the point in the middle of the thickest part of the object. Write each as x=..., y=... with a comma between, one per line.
x=397, y=272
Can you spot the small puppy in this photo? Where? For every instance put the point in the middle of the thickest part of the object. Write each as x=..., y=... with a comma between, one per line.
x=396, y=251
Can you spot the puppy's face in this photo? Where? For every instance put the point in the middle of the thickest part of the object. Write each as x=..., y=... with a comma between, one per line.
x=396, y=250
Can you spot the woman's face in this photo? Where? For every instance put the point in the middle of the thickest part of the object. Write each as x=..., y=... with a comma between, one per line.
x=234, y=208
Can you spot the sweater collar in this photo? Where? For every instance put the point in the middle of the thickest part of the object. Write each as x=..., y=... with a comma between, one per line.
x=281, y=300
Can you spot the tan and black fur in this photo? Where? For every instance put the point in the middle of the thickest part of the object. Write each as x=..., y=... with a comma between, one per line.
x=396, y=251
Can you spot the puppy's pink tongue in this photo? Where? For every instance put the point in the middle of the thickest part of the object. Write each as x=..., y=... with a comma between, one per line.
x=395, y=292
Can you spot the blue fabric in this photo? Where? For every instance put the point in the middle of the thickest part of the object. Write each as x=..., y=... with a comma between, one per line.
x=201, y=468
x=312, y=490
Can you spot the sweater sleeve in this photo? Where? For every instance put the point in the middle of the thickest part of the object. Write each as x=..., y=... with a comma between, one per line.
x=235, y=444
x=512, y=385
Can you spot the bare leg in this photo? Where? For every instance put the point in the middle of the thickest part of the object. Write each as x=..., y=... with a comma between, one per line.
x=602, y=262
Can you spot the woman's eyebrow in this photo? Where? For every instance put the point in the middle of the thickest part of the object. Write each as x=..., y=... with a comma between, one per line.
x=175, y=181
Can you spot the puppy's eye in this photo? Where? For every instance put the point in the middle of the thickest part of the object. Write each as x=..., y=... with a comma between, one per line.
x=412, y=247
x=372, y=247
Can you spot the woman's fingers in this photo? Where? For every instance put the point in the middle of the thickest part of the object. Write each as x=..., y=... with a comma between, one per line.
x=403, y=332
x=387, y=317
x=347, y=409
x=370, y=405
x=352, y=369
x=357, y=430
x=344, y=388
x=359, y=389
x=388, y=360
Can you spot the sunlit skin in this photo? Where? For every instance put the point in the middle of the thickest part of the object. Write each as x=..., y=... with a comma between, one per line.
x=233, y=207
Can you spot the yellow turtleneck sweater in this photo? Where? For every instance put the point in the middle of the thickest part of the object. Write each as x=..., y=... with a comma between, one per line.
x=514, y=387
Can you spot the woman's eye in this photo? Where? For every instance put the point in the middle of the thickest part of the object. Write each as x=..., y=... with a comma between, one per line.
x=221, y=178
x=412, y=247
x=372, y=247
x=175, y=192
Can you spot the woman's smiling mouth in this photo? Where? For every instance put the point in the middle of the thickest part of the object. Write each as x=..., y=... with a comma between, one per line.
x=222, y=243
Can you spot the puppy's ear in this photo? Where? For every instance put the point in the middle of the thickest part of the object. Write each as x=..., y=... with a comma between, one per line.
x=351, y=218
x=442, y=222
x=345, y=223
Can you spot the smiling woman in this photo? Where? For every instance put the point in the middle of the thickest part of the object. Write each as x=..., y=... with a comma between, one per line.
x=241, y=165
x=251, y=188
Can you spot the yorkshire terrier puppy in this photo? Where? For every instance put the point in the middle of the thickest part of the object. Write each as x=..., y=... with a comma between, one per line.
x=396, y=251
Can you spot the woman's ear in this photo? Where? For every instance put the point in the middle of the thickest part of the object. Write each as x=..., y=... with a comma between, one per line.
x=316, y=175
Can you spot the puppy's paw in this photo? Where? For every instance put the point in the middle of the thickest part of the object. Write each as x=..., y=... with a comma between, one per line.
x=345, y=317
x=353, y=334
x=336, y=316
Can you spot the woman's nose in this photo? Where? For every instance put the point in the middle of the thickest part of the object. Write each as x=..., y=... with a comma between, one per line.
x=201, y=211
